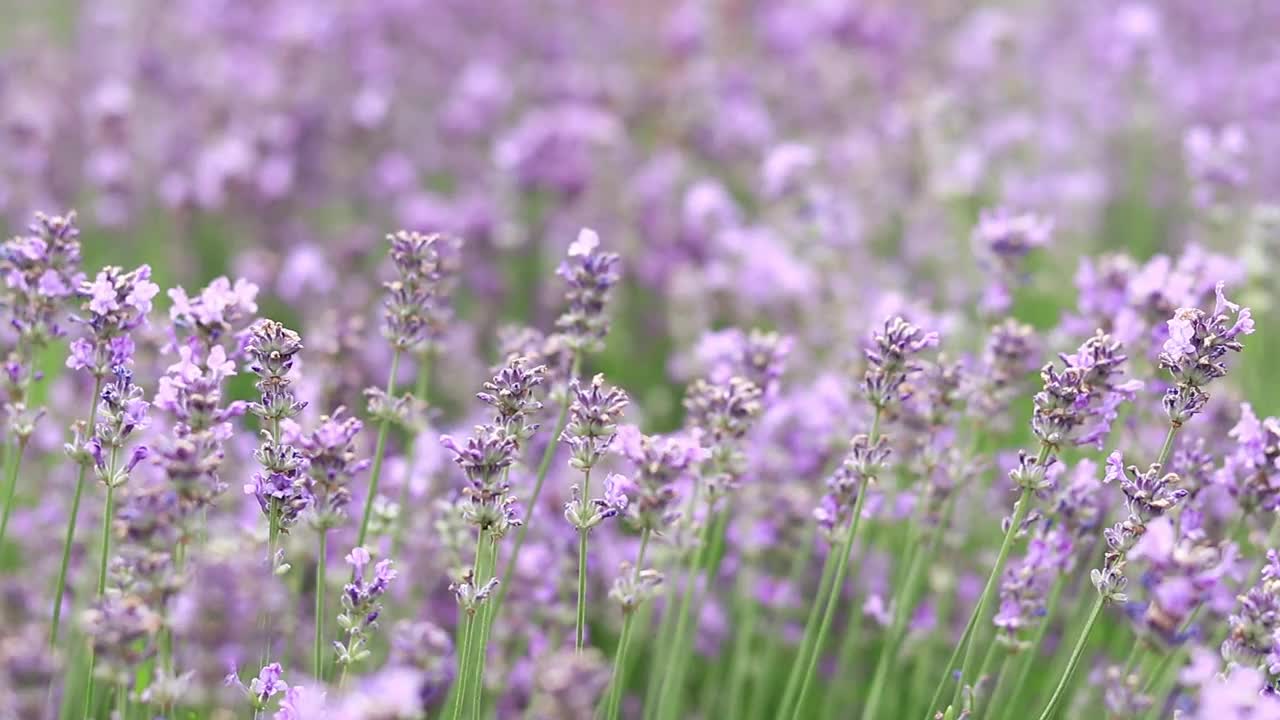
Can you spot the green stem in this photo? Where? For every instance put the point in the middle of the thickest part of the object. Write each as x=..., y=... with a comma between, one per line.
x=618, y=680
x=980, y=611
x=544, y=466
x=1074, y=661
x=379, y=452
x=684, y=643
x=482, y=652
x=832, y=599
x=60, y=590
x=108, y=514
x=903, y=605
x=580, y=626
x=740, y=657
x=1030, y=654
x=799, y=563
x=464, y=666
x=810, y=630
x=13, y=462
x=420, y=391
x=318, y=659
x=669, y=678
x=1001, y=675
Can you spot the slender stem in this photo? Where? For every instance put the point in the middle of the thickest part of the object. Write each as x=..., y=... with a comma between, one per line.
x=321, y=558
x=482, y=651
x=60, y=590
x=903, y=605
x=980, y=611
x=810, y=629
x=108, y=515
x=618, y=680
x=1074, y=661
x=669, y=679
x=984, y=672
x=833, y=598
x=13, y=463
x=740, y=656
x=420, y=392
x=580, y=626
x=799, y=563
x=1001, y=676
x=1029, y=655
x=544, y=466
x=667, y=637
x=684, y=643
x=379, y=452
x=464, y=666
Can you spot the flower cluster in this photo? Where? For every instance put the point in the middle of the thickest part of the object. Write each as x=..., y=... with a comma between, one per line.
x=862, y=466
x=116, y=303
x=361, y=605
x=121, y=627
x=220, y=309
x=1251, y=473
x=891, y=359
x=511, y=394
x=593, y=421
x=41, y=274
x=283, y=488
x=268, y=684
x=408, y=319
x=1025, y=586
x=121, y=412
x=1196, y=350
x=332, y=463
x=721, y=414
x=1253, y=639
x=660, y=463
x=590, y=275
x=192, y=453
x=1079, y=402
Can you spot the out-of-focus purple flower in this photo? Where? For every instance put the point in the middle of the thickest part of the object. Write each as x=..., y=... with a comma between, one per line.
x=660, y=463
x=1251, y=472
x=1026, y=583
x=41, y=272
x=1007, y=237
x=427, y=648
x=1254, y=626
x=220, y=308
x=332, y=463
x=1216, y=161
x=862, y=466
x=409, y=319
x=590, y=275
x=569, y=684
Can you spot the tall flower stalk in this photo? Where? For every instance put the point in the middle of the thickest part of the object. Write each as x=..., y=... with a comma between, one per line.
x=1194, y=354
x=41, y=273
x=590, y=275
x=593, y=417
x=282, y=487
x=116, y=303
x=407, y=324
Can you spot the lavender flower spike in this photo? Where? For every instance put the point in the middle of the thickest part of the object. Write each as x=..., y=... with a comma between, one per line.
x=1195, y=352
x=590, y=275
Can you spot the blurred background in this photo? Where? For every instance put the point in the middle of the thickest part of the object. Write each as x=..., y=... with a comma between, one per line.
x=809, y=165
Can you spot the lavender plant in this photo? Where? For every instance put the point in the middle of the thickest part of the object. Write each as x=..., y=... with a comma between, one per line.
x=679, y=467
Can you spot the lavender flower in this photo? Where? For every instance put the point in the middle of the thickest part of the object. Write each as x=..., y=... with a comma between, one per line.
x=1182, y=572
x=332, y=463
x=408, y=320
x=427, y=648
x=217, y=312
x=1007, y=237
x=41, y=273
x=890, y=359
x=721, y=414
x=1195, y=351
x=590, y=275
x=116, y=303
x=1026, y=584
x=121, y=627
x=1254, y=628
x=192, y=453
x=862, y=466
x=593, y=418
x=361, y=605
x=268, y=684
x=484, y=457
x=585, y=516
x=1251, y=473
x=660, y=463
x=1079, y=402
x=121, y=412
x=569, y=684
x=510, y=393
x=282, y=488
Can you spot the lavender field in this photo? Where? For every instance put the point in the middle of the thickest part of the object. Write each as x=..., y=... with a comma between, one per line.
x=639, y=359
